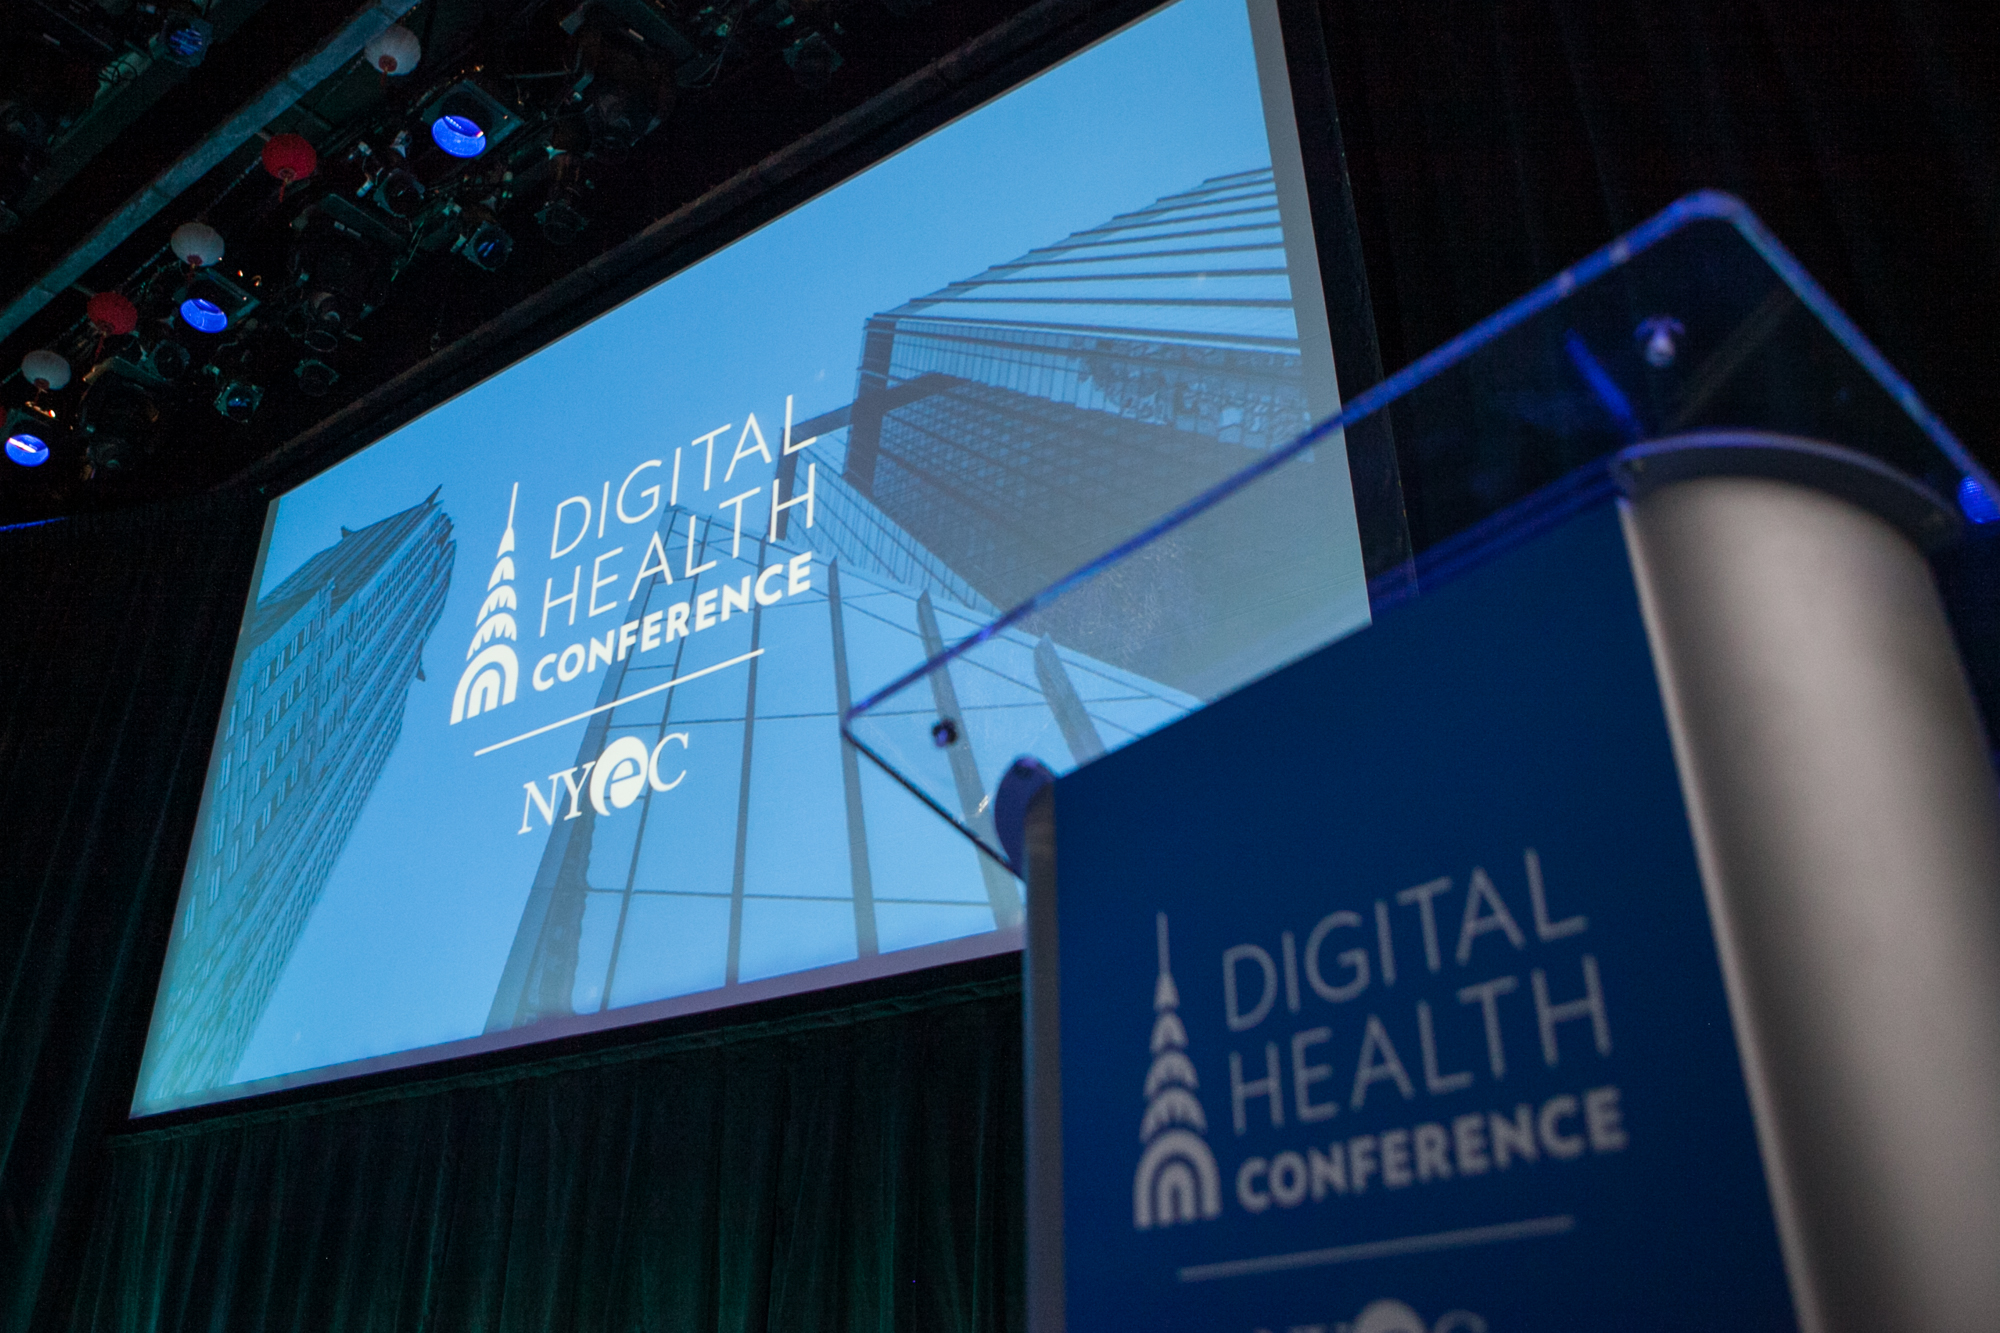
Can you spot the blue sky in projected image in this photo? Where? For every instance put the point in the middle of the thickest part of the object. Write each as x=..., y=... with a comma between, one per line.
x=405, y=947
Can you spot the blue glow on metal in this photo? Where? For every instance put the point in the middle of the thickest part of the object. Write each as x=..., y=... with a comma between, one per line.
x=185, y=40
x=458, y=136
x=27, y=450
x=1978, y=504
x=204, y=315
x=1602, y=386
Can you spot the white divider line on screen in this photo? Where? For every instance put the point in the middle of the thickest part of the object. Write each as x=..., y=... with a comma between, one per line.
x=592, y=712
x=1528, y=1229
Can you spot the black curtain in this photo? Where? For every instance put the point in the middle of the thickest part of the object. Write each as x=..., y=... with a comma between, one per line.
x=1493, y=142
x=115, y=638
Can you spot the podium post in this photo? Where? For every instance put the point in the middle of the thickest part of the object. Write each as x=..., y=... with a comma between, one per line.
x=1844, y=811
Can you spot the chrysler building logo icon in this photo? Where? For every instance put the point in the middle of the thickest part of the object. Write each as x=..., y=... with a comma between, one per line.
x=493, y=672
x=1177, y=1180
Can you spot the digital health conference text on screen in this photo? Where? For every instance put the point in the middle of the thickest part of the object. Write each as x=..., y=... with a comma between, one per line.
x=534, y=726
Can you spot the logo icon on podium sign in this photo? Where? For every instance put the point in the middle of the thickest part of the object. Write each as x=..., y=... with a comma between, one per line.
x=1177, y=1180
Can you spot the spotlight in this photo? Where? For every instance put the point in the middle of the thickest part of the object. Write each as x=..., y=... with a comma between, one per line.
x=204, y=315
x=625, y=93
x=119, y=418
x=339, y=271
x=29, y=432
x=239, y=400
x=561, y=221
x=168, y=359
x=315, y=377
x=211, y=303
x=485, y=243
x=459, y=136
x=109, y=454
x=1979, y=504
x=465, y=121
x=812, y=60
x=401, y=193
x=27, y=450
x=184, y=38
x=560, y=218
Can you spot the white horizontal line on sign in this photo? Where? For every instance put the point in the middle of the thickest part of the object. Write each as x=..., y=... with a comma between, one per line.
x=1528, y=1229
x=592, y=712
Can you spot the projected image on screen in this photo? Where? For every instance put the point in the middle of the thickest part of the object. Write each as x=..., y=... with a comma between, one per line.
x=534, y=722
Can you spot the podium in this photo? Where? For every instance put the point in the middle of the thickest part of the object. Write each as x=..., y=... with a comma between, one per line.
x=1606, y=933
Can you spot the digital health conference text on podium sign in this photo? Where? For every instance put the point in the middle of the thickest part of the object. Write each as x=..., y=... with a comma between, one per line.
x=1387, y=999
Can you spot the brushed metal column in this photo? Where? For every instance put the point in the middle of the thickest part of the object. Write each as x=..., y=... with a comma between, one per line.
x=1848, y=826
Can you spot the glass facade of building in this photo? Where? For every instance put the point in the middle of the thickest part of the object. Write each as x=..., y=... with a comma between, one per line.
x=324, y=671
x=1004, y=429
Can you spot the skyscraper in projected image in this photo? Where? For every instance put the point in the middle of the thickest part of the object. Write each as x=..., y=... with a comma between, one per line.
x=1005, y=429
x=328, y=656
x=1025, y=419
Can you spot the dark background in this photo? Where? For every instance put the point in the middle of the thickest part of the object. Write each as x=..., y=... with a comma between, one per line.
x=873, y=1145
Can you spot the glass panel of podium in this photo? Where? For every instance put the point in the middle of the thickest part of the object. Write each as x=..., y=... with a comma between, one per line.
x=1697, y=321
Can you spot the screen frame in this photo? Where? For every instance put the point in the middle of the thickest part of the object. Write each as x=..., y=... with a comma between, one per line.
x=1008, y=55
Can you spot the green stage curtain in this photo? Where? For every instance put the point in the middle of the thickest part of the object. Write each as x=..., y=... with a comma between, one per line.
x=115, y=638
x=852, y=1168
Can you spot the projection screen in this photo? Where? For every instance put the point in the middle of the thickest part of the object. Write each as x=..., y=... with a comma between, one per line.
x=533, y=723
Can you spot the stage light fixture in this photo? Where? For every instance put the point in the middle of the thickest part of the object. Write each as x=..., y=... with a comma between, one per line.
x=118, y=418
x=400, y=193
x=184, y=38
x=27, y=449
x=812, y=60
x=485, y=242
x=339, y=271
x=315, y=377
x=239, y=400
x=625, y=93
x=561, y=220
x=1977, y=503
x=204, y=315
x=210, y=304
x=29, y=431
x=168, y=359
x=458, y=136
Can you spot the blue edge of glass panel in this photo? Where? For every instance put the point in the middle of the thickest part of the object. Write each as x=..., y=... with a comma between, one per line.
x=1537, y=512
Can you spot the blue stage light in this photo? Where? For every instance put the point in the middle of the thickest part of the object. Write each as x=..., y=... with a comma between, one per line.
x=204, y=315
x=1979, y=504
x=459, y=136
x=27, y=450
x=185, y=37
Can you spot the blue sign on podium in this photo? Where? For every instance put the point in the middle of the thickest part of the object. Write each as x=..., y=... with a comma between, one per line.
x=1388, y=996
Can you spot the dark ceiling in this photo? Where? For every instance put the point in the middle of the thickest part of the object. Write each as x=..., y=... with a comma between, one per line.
x=624, y=137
